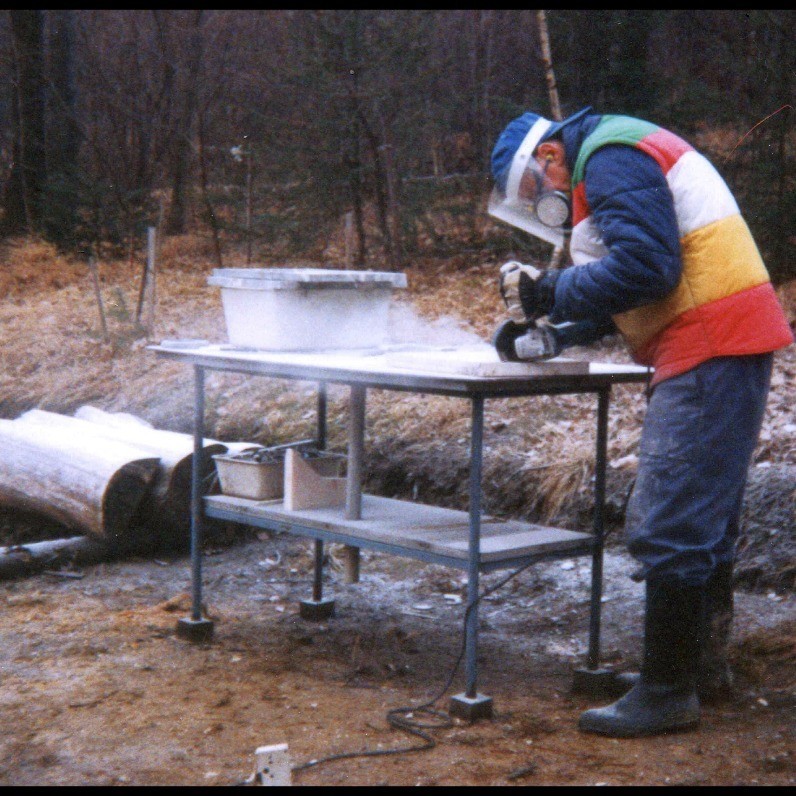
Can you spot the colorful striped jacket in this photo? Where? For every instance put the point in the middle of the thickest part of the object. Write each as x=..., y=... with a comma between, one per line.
x=663, y=249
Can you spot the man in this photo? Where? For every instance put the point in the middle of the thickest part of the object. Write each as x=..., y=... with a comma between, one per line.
x=661, y=253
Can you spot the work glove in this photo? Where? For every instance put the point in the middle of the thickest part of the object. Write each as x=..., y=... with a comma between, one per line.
x=527, y=292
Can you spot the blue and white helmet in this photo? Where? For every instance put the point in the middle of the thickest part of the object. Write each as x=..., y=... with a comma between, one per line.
x=518, y=197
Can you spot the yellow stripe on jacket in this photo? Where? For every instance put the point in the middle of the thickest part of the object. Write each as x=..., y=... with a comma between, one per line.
x=721, y=259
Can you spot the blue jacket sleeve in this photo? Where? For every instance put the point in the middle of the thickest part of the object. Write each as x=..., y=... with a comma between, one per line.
x=584, y=332
x=633, y=209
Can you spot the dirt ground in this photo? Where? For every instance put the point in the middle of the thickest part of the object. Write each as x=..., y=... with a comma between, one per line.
x=96, y=688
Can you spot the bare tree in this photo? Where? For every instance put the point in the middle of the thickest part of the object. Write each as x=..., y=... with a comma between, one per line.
x=28, y=172
x=190, y=43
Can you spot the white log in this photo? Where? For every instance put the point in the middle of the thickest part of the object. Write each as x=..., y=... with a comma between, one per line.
x=91, y=484
x=96, y=415
x=168, y=445
x=132, y=424
x=166, y=511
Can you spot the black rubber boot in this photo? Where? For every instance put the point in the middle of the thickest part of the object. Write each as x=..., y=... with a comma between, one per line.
x=714, y=678
x=664, y=699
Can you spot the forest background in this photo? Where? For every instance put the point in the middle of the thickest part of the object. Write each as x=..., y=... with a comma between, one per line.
x=357, y=139
x=273, y=131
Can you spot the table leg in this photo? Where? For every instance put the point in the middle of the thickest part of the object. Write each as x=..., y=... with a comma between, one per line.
x=353, y=499
x=317, y=607
x=320, y=437
x=196, y=628
x=470, y=704
x=593, y=679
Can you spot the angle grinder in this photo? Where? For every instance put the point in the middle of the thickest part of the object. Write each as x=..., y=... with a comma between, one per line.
x=527, y=342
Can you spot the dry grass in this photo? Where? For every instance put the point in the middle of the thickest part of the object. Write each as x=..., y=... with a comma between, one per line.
x=538, y=450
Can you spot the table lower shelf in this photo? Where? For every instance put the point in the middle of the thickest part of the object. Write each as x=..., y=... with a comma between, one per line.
x=415, y=530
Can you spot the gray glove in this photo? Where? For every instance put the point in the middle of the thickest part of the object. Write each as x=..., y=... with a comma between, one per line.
x=516, y=276
x=529, y=294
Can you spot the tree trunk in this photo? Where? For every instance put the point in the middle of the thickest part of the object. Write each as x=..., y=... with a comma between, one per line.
x=166, y=511
x=393, y=206
x=209, y=209
x=88, y=484
x=380, y=189
x=61, y=219
x=547, y=62
x=19, y=561
x=175, y=220
x=354, y=168
x=63, y=133
x=14, y=220
x=27, y=30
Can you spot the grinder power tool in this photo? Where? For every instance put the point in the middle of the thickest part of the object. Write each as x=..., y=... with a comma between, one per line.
x=533, y=341
x=529, y=335
x=528, y=342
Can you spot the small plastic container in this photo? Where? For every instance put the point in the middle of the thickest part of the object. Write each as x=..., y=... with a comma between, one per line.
x=244, y=475
x=305, y=309
x=259, y=474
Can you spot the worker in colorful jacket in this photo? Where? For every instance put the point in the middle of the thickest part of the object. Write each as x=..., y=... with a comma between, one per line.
x=661, y=253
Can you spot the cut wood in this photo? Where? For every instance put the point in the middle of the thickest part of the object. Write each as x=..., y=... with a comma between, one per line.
x=96, y=415
x=166, y=511
x=481, y=361
x=307, y=488
x=86, y=483
x=169, y=445
x=130, y=421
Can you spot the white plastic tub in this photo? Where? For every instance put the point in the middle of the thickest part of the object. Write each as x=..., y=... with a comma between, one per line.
x=305, y=309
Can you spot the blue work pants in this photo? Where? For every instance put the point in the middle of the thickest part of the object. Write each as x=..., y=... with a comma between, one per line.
x=699, y=434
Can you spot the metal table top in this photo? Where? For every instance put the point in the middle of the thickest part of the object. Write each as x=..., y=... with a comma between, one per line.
x=372, y=368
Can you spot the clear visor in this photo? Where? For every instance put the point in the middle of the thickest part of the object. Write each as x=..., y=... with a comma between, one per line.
x=523, y=215
x=524, y=203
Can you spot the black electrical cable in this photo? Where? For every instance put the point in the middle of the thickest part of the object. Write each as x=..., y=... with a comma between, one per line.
x=404, y=718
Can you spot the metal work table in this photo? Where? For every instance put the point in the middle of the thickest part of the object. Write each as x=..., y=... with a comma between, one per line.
x=467, y=540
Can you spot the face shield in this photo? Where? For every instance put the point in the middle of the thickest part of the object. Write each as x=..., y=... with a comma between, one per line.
x=525, y=202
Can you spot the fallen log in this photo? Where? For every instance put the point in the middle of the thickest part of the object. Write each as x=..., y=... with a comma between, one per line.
x=84, y=482
x=118, y=419
x=19, y=561
x=127, y=420
x=166, y=512
x=133, y=423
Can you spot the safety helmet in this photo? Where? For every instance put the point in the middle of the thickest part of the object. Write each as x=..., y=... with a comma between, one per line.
x=519, y=196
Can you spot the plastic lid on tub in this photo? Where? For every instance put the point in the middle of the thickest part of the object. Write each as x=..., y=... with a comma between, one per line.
x=291, y=278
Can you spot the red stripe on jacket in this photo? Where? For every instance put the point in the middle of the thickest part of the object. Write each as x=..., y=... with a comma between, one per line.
x=718, y=328
x=667, y=148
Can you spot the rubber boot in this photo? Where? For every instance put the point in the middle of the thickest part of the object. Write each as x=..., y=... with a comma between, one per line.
x=664, y=699
x=714, y=678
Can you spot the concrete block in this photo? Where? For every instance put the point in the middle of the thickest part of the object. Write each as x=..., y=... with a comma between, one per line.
x=316, y=610
x=196, y=630
x=471, y=708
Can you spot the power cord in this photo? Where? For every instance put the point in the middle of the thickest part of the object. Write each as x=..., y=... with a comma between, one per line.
x=406, y=718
